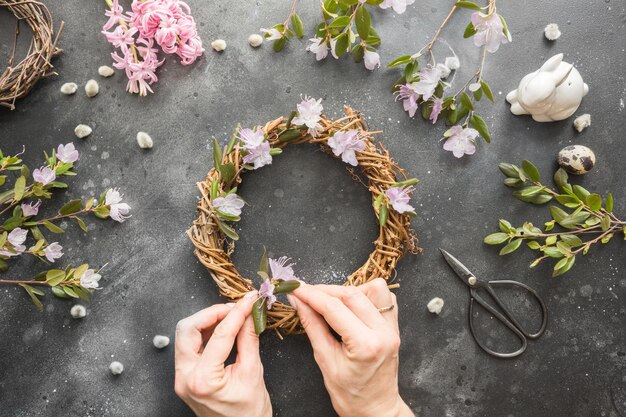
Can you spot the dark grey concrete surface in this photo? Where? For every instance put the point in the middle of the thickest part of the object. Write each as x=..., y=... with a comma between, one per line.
x=307, y=207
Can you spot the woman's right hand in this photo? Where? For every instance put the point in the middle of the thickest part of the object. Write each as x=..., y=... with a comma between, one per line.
x=360, y=371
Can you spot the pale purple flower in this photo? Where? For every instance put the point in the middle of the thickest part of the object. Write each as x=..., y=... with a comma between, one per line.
x=346, y=144
x=371, y=60
x=231, y=204
x=399, y=6
x=16, y=238
x=437, y=108
x=44, y=175
x=319, y=47
x=460, y=141
x=271, y=34
x=489, y=31
x=259, y=155
x=428, y=82
x=67, y=153
x=53, y=251
x=118, y=210
x=267, y=291
x=399, y=198
x=251, y=138
x=30, y=209
x=90, y=279
x=281, y=269
x=409, y=97
x=309, y=114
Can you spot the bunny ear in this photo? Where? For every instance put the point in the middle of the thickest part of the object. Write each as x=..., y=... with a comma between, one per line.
x=552, y=63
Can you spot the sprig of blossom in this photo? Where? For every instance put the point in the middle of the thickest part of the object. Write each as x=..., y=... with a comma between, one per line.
x=427, y=88
x=166, y=23
x=20, y=205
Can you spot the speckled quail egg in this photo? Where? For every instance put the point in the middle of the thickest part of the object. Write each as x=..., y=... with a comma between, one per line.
x=577, y=159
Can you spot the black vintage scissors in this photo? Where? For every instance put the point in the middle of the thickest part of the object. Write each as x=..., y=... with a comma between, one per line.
x=507, y=318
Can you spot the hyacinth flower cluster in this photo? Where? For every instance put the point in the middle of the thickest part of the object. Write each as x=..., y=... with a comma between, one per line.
x=136, y=34
x=278, y=278
x=425, y=88
x=346, y=28
x=21, y=231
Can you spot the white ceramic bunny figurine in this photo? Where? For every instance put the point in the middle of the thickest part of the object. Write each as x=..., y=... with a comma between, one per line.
x=551, y=93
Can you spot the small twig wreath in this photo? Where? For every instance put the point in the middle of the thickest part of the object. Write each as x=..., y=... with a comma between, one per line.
x=17, y=81
x=209, y=232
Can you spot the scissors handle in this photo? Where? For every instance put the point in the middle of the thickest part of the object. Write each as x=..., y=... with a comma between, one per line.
x=503, y=319
x=511, y=317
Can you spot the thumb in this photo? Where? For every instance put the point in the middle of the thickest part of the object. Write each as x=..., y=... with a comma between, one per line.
x=315, y=326
x=248, y=345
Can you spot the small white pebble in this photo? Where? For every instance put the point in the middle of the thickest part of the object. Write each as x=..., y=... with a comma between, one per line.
x=69, y=88
x=144, y=140
x=219, y=45
x=92, y=88
x=552, y=32
x=82, y=131
x=453, y=63
x=582, y=122
x=255, y=40
x=106, y=71
x=435, y=305
x=160, y=342
x=116, y=368
x=78, y=312
x=445, y=71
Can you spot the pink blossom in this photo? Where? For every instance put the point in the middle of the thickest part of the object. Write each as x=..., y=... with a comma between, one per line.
x=428, y=82
x=16, y=238
x=266, y=290
x=90, y=279
x=190, y=50
x=346, y=144
x=309, y=114
x=67, y=153
x=281, y=269
x=318, y=47
x=251, y=138
x=258, y=155
x=121, y=36
x=489, y=31
x=231, y=204
x=118, y=210
x=30, y=209
x=437, y=108
x=115, y=15
x=399, y=198
x=53, y=251
x=371, y=60
x=399, y=6
x=409, y=97
x=44, y=175
x=460, y=141
x=166, y=35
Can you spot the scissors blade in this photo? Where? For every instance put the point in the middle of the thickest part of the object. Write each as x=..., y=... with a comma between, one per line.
x=461, y=270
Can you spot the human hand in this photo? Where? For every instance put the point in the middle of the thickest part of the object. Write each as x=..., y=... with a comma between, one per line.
x=360, y=371
x=203, y=343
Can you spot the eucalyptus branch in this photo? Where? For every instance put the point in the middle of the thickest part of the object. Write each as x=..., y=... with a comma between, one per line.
x=589, y=217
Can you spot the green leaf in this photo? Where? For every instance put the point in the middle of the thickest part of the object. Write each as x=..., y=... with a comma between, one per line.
x=609, y=203
x=568, y=200
x=534, y=245
x=383, y=215
x=58, y=184
x=18, y=189
x=81, y=292
x=32, y=294
x=101, y=212
x=363, y=22
x=594, y=201
x=264, y=266
x=580, y=192
x=217, y=154
x=228, y=172
x=81, y=224
x=558, y=214
x=279, y=44
x=228, y=231
x=71, y=207
x=560, y=178
x=52, y=227
x=509, y=170
x=551, y=240
x=373, y=39
x=54, y=277
x=470, y=30
x=340, y=22
x=479, y=124
x=505, y=226
x=296, y=24
x=485, y=88
x=286, y=286
x=512, y=246
x=377, y=203
x=226, y=216
x=574, y=219
x=402, y=60
x=70, y=292
x=552, y=252
x=289, y=135
x=513, y=182
x=233, y=140
x=566, y=266
x=341, y=47
x=496, y=238
x=572, y=240
x=606, y=222
x=505, y=28
x=467, y=101
x=259, y=315
x=467, y=5
x=58, y=292
x=531, y=170
x=358, y=52
x=13, y=222
x=606, y=238
x=528, y=191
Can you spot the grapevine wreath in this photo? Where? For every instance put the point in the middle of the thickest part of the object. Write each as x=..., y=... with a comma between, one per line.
x=17, y=80
x=214, y=239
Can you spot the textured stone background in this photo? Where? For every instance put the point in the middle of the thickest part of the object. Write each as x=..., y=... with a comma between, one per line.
x=307, y=207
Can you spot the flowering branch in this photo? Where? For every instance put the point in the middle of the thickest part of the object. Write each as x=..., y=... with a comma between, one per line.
x=589, y=217
x=22, y=222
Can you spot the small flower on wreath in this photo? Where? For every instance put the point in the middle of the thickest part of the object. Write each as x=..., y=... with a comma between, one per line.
x=282, y=280
x=309, y=114
x=397, y=198
x=346, y=144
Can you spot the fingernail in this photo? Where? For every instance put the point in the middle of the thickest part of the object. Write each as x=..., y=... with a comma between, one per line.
x=251, y=294
x=292, y=301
